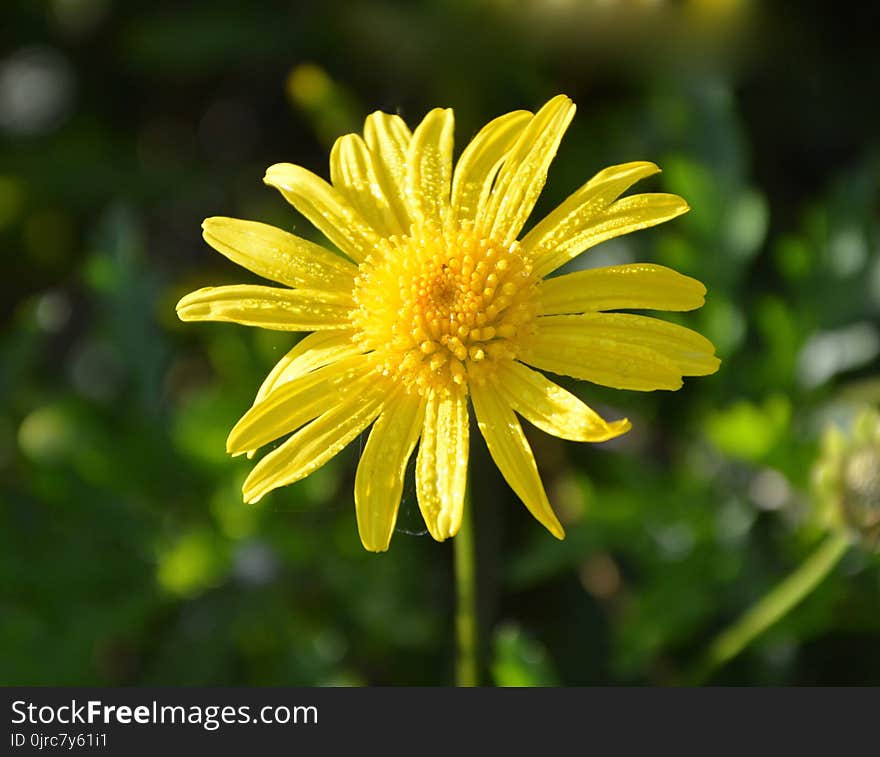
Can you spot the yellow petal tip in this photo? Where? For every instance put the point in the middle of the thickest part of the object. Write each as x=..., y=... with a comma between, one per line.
x=374, y=548
x=438, y=536
x=619, y=428
x=234, y=446
x=234, y=450
x=184, y=305
x=213, y=225
x=560, y=98
x=252, y=494
x=272, y=177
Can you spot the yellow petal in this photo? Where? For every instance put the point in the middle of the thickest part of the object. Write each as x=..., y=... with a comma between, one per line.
x=524, y=172
x=290, y=405
x=388, y=138
x=551, y=408
x=619, y=350
x=310, y=447
x=429, y=167
x=441, y=466
x=378, y=483
x=512, y=454
x=268, y=307
x=325, y=207
x=353, y=173
x=618, y=366
x=637, y=285
x=583, y=206
x=691, y=352
x=312, y=351
x=277, y=255
x=579, y=233
x=479, y=163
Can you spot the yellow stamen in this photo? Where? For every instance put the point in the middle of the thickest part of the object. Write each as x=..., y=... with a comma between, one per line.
x=432, y=304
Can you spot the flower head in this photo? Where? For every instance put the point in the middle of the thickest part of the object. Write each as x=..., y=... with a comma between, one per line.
x=437, y=302
x=847, y=479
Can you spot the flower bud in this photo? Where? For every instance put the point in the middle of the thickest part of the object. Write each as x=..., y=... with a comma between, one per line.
x=847, y=479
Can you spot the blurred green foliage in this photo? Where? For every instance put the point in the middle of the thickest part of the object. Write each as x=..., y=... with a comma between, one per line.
x=126, y=554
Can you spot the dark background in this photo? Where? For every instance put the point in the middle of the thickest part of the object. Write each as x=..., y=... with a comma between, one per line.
x=126, y=554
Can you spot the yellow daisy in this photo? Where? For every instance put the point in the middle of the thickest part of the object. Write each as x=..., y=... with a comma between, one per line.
x=436, y=301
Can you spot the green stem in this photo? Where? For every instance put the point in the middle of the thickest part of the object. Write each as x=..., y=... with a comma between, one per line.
x=773, y=606
x=466, y=597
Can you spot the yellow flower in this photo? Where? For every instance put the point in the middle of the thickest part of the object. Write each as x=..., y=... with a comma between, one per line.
x=436, y=301
x=846, y=477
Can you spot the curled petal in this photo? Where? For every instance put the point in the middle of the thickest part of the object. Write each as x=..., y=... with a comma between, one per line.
x=524, y=172
x=479, y=163
x=354, y=173
x=325, y=207
x=268, y=307
x=378, y=484
x=619, y=350
x=584, y=206
x=429, y=167
x=388, y=138
x=290, y=405
x=312, y=446
x=636, y=285
x=274, y=254
x=312, y=351
x=580, y=232
x=441, y=466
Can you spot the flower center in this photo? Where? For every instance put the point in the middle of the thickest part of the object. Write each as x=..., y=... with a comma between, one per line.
x=861, y=501
x=441, y=307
